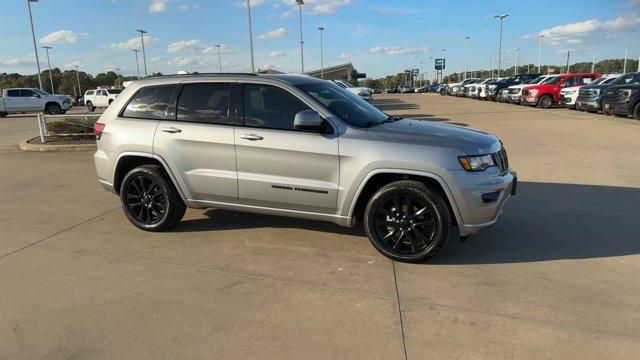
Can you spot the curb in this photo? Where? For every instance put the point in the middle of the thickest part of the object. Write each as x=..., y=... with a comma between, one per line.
x=25, y=146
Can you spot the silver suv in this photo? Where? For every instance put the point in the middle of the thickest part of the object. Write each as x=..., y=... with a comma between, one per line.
x=297, y=146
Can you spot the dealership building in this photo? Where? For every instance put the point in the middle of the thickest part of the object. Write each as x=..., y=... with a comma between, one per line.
x=344, y=72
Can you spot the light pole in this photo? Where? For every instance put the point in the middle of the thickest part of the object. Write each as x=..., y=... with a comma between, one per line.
x=540, y=53
x=137, y=63
x=593, y=63
x=118, y=74
x=466, y=39
x=78, y=78
x=47, y=48
x=219, y=58
x=144, y=53
x=253, y=67
x=624, y=67
x=501, y=17
x=516, y=62
x=444, y=63
x=33, y=35
x=300, y=3
x=321, y=52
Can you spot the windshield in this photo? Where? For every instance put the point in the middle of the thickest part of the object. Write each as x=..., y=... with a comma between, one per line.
x=537, y=80
x=41, y=92
x=627, y=79
x=551, y=80
x=348, y=106
x=114, y=91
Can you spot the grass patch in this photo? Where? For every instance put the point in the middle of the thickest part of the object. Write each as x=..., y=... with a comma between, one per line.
x=72, y=126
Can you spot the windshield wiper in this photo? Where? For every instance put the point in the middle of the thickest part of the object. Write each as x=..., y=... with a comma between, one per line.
x=393, y=118
x=372, y=123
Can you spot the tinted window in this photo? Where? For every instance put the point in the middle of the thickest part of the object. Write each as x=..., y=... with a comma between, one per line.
x=270, y=107
x=27, y=93
x=88, y=93
x=208, y=103
x=150, y=103
x=345, y=104
x=13, y=93
x=114, y=91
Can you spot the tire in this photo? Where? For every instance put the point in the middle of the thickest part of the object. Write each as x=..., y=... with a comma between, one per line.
x=545, y=102
x=54, y=109
x=3, y=114
x=110, y=101
x=399, y=217
x=636, y=112
x=149, y=189
x=90, y=106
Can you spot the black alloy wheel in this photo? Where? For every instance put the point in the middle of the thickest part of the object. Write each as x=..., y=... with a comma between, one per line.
x=150, y=200
x=636, y=112
x=54, y=109
x=406, y=221
x=545, y=101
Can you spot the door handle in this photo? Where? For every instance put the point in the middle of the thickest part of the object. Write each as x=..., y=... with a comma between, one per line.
x=251, y=137
x=171, y=130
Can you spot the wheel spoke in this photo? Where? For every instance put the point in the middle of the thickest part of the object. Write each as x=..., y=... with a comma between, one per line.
x=396, y=203
x=399, y=240
x=426, y=223
x=412, y=241
x=420, y=212
x=135, y=204
x=393, y=231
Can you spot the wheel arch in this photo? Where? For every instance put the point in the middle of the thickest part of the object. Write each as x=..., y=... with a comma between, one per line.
x=378, y=178
x=130, y=160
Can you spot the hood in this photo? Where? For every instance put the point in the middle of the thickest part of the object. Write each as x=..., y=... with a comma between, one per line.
x=571, y=88
x=599, y=86
x=429, y=133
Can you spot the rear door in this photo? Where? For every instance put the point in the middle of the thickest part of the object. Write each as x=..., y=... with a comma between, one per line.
x=279, y=166
x=197, y=141
x=13, y=100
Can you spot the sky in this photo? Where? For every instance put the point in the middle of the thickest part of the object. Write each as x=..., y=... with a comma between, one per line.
x=380, y=37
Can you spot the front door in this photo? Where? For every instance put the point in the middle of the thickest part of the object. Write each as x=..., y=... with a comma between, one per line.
x=279, y=166
x=31, y=101
x=197, y=142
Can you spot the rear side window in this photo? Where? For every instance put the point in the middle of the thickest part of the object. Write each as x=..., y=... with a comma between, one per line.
x=206, y=103
x=13, y=93
x=270, y=107
x=150, y=103
x=89, y=93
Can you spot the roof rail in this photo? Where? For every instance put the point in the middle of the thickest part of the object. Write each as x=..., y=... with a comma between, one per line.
x=204, y=74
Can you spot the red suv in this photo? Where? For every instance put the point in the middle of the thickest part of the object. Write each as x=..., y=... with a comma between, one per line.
x=547, y=92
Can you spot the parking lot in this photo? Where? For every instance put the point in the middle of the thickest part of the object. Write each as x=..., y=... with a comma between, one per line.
x=556, y=277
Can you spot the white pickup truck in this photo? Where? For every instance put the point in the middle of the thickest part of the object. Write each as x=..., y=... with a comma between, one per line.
x=25, y=100
x=363, y=92
x=100, y=98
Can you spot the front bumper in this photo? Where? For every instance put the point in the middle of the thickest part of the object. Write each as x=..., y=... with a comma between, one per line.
x=531, y=101
x=481, y=197
x=589, y=105
x=567, y=101
x=617, y=107
x=513, y=98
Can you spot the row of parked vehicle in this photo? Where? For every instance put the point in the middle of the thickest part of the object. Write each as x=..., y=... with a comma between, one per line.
x=411, y=89
x=612, y=94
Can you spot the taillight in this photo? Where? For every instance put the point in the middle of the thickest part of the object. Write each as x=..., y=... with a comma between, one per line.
x=98, y=128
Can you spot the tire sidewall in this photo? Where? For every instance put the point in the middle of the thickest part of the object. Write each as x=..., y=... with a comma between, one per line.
x=543, y=102
x=90, y=106
x=54, y=106
x=433, y=200
x=133, y=174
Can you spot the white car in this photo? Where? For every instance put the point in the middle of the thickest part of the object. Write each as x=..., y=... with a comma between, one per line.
x=514, y=91
x=26, y=100
x=569, y=95
x=100, y=98
x=473, y=89
x=363, y=92
x=481, y=88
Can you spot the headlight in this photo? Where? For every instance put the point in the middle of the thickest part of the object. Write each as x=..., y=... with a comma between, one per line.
x=492, y=87
x=476, y=163
x=533, y=92
x=569, y=92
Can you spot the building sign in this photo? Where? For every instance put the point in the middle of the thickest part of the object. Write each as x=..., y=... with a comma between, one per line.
x=440, y=64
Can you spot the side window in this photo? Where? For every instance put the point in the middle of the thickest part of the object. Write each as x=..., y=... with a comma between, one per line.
x=206, y=103
x=270, y=107
x=150, y=103
x=27, y=93
x=13, y=93
x=89, y=93
x=587, y=80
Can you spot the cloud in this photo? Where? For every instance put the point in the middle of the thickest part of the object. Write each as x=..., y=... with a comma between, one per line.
x=17, y=61
x=194, y=44
x=133, y=44
x=157, y=6
x=253, y=3
x=276, y=54
x=317, y=7
x=184, y=61
x=572, y=34
x=224, y=49
x=61, y=36
x=274, y=34
x=72, y=64
x=386, y=50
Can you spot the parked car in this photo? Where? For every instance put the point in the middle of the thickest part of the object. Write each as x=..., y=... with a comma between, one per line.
x=100, y=98
x=569, y=95
x=376, y=90
x=590, y=96
x=482, y=88
x=420, y=89
x=433, y=88
x=292, y=145
x=363, y=92
x=473, y=90
x=27, y=100
x=515, y=91
x=405, y=89
x=622, y=100
x=456, y=89
x=494, y=91
x=547, y=93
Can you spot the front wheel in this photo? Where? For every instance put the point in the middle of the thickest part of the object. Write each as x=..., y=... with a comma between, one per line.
x=407, y=221
x=54, y=109
x=545, y=101
x=3, y=114
x=150, y=200
x=90, y=106
x=636, y=112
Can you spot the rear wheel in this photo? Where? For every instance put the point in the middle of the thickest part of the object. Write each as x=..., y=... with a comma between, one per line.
x=636, y=112
x=407, y=221
x=150, y=200
x=54, y=109
x=545, y=101
x=90, y=106
x=3, y=114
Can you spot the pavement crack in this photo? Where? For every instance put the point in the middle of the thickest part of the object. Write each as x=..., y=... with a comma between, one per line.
x=57, y=233
x=395, y=282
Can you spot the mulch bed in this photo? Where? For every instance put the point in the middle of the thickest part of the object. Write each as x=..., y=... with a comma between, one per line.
x=65, y=140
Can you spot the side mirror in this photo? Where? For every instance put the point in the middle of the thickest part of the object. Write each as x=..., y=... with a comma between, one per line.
x=35, y=95
x=309, y=120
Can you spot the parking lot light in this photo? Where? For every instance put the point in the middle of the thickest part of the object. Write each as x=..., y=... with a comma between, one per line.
x=501, y=17
x=118, y=75
x=137, y=63
x=540, y=53
x=35, y=46
x=47, y=48
x=253, y=66
x=78, y=78
x=321, y=53
x=466, y=39
x=144, y=54
x=219, y=58
x=300, y=3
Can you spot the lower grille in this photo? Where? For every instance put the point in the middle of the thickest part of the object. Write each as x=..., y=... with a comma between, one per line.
x=501, y=161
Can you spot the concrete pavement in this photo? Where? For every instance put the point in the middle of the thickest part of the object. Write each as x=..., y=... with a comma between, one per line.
x=555, y=278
